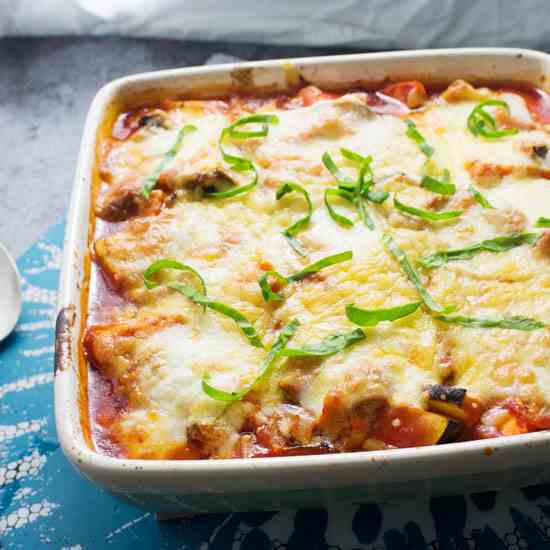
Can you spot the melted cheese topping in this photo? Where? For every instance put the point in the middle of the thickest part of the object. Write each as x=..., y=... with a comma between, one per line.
x=158, y=367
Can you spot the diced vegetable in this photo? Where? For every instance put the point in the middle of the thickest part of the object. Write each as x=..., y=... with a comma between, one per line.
x=410, y=427
x=448, y=394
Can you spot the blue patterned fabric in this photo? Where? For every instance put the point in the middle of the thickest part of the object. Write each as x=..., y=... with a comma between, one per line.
x=44, y=503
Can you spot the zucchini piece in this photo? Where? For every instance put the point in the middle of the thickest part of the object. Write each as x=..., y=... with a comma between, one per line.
x=435, y=427
x=447, y=400
x=448, y=394
x=452, y=433
x=447, y=409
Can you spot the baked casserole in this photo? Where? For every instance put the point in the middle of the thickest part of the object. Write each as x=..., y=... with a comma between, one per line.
x=320, y=271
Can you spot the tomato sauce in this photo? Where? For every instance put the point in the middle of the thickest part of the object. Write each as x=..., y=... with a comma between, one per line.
x=537, y=101
x=105, y=406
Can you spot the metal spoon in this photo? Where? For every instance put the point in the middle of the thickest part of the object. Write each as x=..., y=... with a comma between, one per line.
x=10, y=293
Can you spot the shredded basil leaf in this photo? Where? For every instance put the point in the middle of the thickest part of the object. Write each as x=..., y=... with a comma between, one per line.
x=296, y=245
x=365, y=180
x=290, y=232
x=426, y=214
x=376, y=196
x=371, y=317
x=166, y=263
x=479, y=198
x=152, y=179
x=363, y=212
x=268, y=364
x=399, y=254
x=442, y=186
x=364, y=187
x=267, y=291
x=200, y=297
x=242, y=322
x=219, y=395
x=330, y=345
x=261, y=119
x=498, y=244
x=343, y=194
x=236, y=190
x=513, y=323
x=418, y=138
x=321, y=264
x=542, y=222
x=241, y=164
x=482, y=123
x=269, y=294
x=355, y=157
x=357, y=191
x=344, y=181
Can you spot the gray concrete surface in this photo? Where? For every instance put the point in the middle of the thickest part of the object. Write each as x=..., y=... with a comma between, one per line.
x=46, y=86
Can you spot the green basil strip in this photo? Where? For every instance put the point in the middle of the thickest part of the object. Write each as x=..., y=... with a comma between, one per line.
x=354, y=157
x=498, y=244
x=290, y=232
x=321, y=264
x=241, y=164
x=426, y=214
x=542, y=222
x=268, y=364
x=365, y=180
x=152, y=179
x=482, y=123
x=200, y=297
x=235, y=190
x=371, y=317
x=366, y=177
x=363, y=212
x=418, y=138
x=330, y=345
x=376, y=196
x=261, y=119
x=242, y=322
x=442, y=186
x=343, y=194
x=344, y=181
x=296, y=245
x=220, y=395
x=399, y=254
x=267, y=291
x=512, y=323
x=478, y=197
x=363, y=188
x=354, y=191
x=159, y=265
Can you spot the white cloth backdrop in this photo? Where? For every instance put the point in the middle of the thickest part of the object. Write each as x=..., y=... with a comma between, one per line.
x=369, y=24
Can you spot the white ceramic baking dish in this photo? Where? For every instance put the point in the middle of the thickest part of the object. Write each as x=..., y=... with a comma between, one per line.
x=270, y=483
